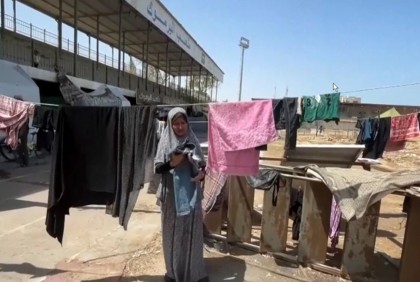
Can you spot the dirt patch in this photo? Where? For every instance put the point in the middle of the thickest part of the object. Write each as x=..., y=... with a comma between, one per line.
x=147, y=261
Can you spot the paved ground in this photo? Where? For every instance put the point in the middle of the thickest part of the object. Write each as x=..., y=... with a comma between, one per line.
x=95, y=247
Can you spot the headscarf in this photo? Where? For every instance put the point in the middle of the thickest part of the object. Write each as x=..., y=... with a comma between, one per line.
x=169, y=140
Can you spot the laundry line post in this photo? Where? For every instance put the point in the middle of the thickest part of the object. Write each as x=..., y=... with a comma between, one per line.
x=244, y=44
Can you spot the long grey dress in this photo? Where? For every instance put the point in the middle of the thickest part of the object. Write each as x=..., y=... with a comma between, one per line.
x=182, y=239
x=182, y=235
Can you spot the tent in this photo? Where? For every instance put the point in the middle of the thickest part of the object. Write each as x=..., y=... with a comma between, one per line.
x=390, y=113
x=15, y=81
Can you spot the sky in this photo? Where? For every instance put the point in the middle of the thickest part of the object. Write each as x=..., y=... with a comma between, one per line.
x=304, y=46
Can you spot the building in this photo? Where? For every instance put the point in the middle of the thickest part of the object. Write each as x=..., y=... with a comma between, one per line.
x=145, y=32
x=350, y=99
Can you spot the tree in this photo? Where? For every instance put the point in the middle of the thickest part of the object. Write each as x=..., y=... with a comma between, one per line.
x=133, y=67
x=202, y=85
x=199, y=83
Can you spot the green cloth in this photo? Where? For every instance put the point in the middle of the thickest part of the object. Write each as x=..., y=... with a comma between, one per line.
x=329, y=107
x=310, y=105
x=324, y=107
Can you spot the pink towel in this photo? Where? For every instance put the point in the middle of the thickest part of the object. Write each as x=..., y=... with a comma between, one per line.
x=13, y=114
x=235, y=129
x=404, y=127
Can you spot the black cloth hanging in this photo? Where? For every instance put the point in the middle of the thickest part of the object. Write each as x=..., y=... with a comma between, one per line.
x=45, y=117
x=285, y=112
x=376, y=147
x=368, y=130
x=84, y=162
x=295, y=210
x=136, y=154
x=267, y=179
x=99, y=157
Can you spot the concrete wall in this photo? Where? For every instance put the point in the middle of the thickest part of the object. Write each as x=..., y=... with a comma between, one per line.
x=354, y=110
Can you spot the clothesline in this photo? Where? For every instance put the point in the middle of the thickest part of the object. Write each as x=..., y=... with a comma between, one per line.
x=186, y=105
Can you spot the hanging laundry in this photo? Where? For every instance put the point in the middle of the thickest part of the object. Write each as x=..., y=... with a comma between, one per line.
x=324, y=107
x=267, y=179
x=404, y=127
x=213, y=186
x=310, y=106
x=13, y=115
x=286, y=116
x=84, y=163
x=418, y=118
x=99, y=158
x=136, y=151
x=368, y=129
x=295, y=210
x=45, y=119
x=376, y=147
x=329, y=107
x=235, y=129
x=335, y=220
x=155, y=182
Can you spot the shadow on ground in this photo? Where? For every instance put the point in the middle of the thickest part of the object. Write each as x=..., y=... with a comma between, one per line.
x=220, y=269
x=16, y=204
x=29, y=269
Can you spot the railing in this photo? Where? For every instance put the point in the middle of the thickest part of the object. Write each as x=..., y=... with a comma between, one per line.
x=44, y=36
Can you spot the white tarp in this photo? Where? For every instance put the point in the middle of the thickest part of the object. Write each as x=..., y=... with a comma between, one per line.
x=15, y=81
x=104, y=95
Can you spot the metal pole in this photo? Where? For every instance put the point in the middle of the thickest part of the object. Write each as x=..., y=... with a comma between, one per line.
x=89, y=45
x=97, y=42
x=147, y=53
x=199, y=86
x=167, y=67
x=217, y=87
x=157, y=73
x=142, y=62
x=112, y=57
x=3, y=28
x=242, y=70
x=186, y=85
x=205, y=87
x=119, y=42
x=14, y=15
x=60, y=28
x=212, y=86
x=75, y=39
x=106, y=71
x=123, y=52
x=168, y=78
x=191, y=85
x=179, y=76
x=179, y=86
